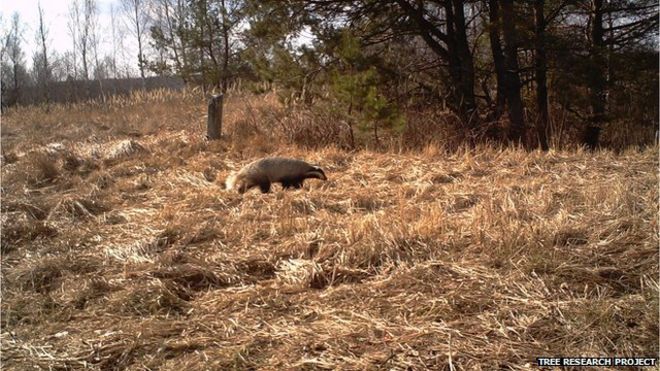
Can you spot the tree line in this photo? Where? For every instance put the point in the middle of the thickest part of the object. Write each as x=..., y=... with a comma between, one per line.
x=505, y=68
x=98, y=52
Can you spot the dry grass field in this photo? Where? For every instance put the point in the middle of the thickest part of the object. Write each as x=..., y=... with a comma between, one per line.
x=121, y=249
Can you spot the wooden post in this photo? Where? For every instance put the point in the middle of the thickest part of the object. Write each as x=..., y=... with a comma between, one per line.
x=214, y=123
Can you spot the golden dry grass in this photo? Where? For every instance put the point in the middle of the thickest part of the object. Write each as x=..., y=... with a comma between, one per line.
x=121, y=249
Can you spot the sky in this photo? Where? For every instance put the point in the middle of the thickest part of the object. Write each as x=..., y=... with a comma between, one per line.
x=55, y=18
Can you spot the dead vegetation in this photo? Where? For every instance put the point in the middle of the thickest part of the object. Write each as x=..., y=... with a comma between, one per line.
x=123, y=250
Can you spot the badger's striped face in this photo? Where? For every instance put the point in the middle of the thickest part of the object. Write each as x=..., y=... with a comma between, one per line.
x=317, y=173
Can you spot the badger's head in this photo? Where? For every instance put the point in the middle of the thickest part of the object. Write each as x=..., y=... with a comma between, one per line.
x=316, y=172
x=236, y=181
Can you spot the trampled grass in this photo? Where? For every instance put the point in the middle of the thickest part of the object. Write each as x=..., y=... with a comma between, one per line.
x=121, y=249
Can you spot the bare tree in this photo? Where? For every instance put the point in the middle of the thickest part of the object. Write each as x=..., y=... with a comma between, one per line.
x=44, y=72
x=598, y=80
x=512, y=84
x=73, y=24
x=541, y=67
x=169, y=34
x=60, y=66
x=43, y=36
x=498, y=56
x=226, y=29
x=82, y=18
x=94, y=39
x=115, y=40
x=120, y=66
x=89, y=20
x=137, y=16
x=66, y=68
x=14, y=74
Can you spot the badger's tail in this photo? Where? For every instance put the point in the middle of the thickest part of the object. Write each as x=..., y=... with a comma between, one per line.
x=230, y=182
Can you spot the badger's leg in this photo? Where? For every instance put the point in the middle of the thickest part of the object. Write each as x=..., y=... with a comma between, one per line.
x=288, y=182
x=264, y=187
x=292, y=183
x=244, y=188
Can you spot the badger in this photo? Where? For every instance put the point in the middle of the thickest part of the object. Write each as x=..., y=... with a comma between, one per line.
x=287, y=171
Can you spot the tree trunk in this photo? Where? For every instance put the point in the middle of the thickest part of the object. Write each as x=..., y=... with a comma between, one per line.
x=84, y=60
x=597, y=80
x=168, y=19
x=541, y=65
x=44, y=51
x=466, y=64
x=498, y=57
x=512, y=79
x=141, y=61
x=185, y=43
x=17, y=91
x=461, y=64
x=207, y=23
x=225, y=56
x=214, y=120
x=455, y=52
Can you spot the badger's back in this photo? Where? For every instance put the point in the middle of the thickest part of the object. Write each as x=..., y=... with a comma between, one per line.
x=277, y=168
x=270, y=169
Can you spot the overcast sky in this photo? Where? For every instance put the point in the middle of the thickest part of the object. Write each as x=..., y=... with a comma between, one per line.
x=55, y=17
